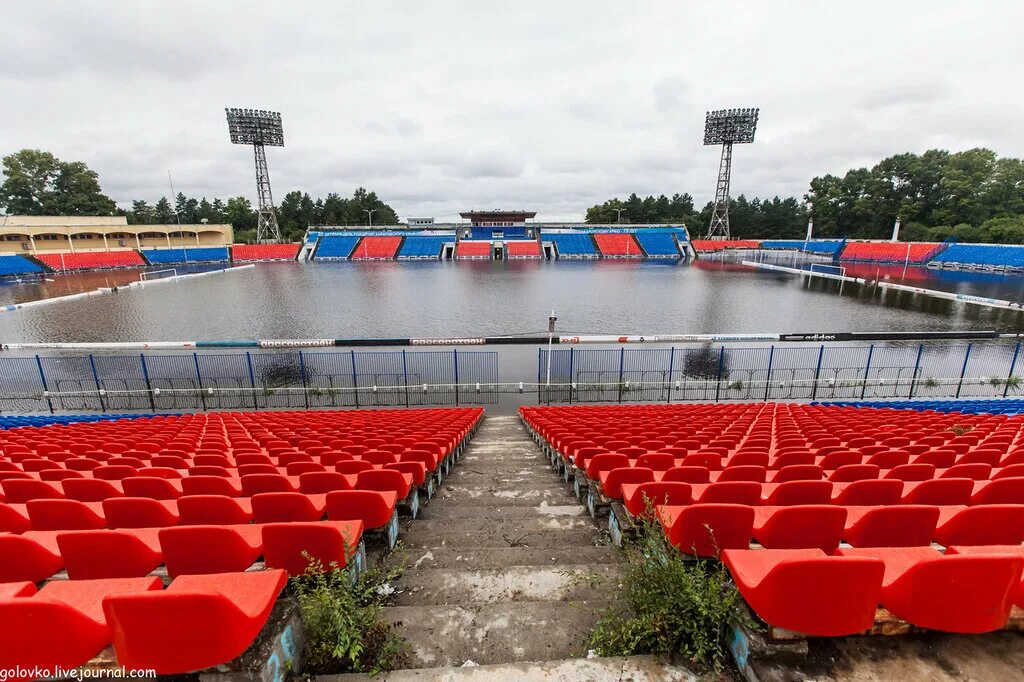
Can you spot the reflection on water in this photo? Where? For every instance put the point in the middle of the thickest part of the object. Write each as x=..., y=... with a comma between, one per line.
x=373, y=299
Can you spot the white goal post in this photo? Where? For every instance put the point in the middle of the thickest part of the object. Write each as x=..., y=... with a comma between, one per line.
x=829, y=269
x=157, y=274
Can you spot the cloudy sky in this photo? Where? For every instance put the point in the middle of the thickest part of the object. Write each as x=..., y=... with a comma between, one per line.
x=553, y=106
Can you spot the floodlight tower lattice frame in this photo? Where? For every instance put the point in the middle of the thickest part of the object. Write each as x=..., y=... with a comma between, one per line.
x=726, y=127
x=259, y=128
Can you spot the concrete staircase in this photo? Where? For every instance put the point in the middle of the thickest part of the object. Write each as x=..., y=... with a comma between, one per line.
x=506, y=574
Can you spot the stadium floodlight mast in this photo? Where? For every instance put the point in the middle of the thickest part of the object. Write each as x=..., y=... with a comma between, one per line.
x=726, y=127
x=259, y=128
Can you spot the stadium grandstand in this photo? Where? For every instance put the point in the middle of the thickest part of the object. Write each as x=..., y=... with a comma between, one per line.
x=246, y=253
x=890, y=252
x=468, y=249
x=524, y=249
x=92, y=260
x=18, y=265
x=897, y=507
x=658, y=244
x=97, y=516
x=174, y=256
x=710, y=245
x=613, y=245
x=423, y=247
x=981, y=256
x=376, y=248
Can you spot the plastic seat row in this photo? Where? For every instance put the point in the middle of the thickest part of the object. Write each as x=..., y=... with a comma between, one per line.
x=814, y=593
x=199, y=621
x=376, y=509
x=376, y=248
x=617, y=245
x=422, y=247
x=471, y=249
x=92, y=260
x=17, y=265
x=658, y=244
x=707, y=529
x=568, y=245
x=707, y=245
x=625, y=483
x=992, y=255
x=215, y=254
x=263, y=252
x=889, y=252
x=36, y=556
x=331, y=247
x=1007, y=406
x=523, y=249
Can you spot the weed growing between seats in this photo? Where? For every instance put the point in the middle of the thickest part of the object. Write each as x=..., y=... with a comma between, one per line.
x=345, y=631
x=677, y=607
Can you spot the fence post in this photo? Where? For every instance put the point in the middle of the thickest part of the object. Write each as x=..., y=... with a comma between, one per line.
x=768, y=381
x=622, y=367
x=455, y=359
x=1013, y=364
x=671, y=368
x=718, y=382
x=252, y=380
x=963, y=370
x=199, y=378
x=867, y=369
x=149, y=386
x=817, y=372
x=405, y=377
x=46, y=388
x=302, y=372
x=96, y=378
x=355, y=380
x=917, y=367
x=572, y=357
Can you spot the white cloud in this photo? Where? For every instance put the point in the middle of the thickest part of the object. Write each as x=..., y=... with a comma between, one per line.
x=449, y=105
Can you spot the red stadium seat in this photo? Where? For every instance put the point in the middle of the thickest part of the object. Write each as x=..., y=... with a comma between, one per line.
x=806, y=591
x=191, y=550
x=197, y=622
x=812, y=526
x=214, y=509
x=707, y=529
x=965, y=593
x=990, y=524
x=291, y=545
x=95, y=554
x=905, y=525
x=62, y=624
x=638, y=495
x=32, y=556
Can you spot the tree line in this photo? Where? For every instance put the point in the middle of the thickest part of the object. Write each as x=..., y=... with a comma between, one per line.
x=972, y=195
x=38, y=183
x=775, y=218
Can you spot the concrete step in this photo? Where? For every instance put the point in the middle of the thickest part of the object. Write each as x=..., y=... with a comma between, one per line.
x=557, y=494
x=499, y=524
x=434, y=512
x=577, y=537
x=438, y=586
x=619, y=669
x=496, y=633
x=499, y=557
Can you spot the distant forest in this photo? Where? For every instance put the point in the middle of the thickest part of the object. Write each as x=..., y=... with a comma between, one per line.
x=971, y=195
x=38, y=183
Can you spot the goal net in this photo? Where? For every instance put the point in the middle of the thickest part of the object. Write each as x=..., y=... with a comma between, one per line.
x=828, y=269
x=147, y=275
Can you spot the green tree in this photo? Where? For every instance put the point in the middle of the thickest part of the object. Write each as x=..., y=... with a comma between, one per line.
x=163, y=214
x=38, y=183
x=141, y=213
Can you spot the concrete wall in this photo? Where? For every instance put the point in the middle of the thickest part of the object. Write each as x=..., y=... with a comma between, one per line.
x=27, y=235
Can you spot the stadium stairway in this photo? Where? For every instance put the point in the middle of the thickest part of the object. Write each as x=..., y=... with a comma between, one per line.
x=493, y=568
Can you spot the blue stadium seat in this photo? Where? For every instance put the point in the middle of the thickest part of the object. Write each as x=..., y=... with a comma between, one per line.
x=657, y=244
x=823, y=246
x=17, y=265
x=335, y=247
x=782, y=244
x=14, y=422
x=199, y=255
x=1009, y=406
x=422, y=246
x=573, y=245
x=992, y=255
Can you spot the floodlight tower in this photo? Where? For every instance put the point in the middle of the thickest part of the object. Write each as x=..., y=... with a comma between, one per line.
x=726, y=127
x=259, y=128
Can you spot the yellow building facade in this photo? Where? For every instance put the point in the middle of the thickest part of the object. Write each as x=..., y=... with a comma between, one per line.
x=28, y=235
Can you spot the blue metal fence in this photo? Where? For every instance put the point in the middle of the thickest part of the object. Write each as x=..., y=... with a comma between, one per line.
x=246, y=381
x=806, y=372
